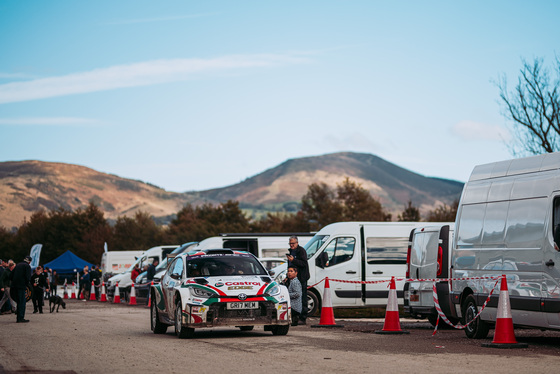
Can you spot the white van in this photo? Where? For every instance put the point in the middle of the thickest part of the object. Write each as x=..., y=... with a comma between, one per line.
x=262, y=245
x=356, y=251
x=124, y=279
x=429, y=255
x=508, y=222
x=116, y=262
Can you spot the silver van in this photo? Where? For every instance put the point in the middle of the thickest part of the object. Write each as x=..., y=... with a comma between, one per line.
x=428, y=257
x=508, y=222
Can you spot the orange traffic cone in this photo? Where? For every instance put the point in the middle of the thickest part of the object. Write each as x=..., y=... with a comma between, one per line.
x=103, y=296
x=65, y=293
x=392, y=323
x=503, y=332
x=327, y=313
x=132, y=300
x=73, y=291
x=92, y=292
x=117, y=295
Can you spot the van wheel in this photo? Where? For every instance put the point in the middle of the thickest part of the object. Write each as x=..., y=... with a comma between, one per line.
x=181, y=331
x=313, y=303
x=156, y=325
x=433, y=319
x=478, y=329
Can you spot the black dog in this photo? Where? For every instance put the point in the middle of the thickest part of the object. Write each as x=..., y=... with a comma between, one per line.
x=55, y=301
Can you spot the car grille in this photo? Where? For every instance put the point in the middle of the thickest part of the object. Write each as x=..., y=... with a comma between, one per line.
x=219, y=313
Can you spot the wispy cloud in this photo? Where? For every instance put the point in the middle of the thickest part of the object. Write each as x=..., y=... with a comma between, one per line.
x=470, y=130
x=160, y=19
x=139, y=74
x=47, y=121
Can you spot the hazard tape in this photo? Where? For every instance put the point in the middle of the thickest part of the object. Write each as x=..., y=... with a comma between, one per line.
x=444, y=318
x=405, y=279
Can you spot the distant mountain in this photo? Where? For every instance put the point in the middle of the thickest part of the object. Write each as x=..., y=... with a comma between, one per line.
x=27, y=186
x=391, y=184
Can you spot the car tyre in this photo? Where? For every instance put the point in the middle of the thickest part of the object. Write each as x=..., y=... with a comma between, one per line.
x=155, y=324
x=313, y=303
x=280, y=329
x=181, y=331
x=478, y=329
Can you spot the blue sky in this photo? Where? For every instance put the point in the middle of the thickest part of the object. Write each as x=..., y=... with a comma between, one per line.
x=191, y=95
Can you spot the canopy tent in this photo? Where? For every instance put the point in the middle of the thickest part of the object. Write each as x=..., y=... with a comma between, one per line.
x=67, y=263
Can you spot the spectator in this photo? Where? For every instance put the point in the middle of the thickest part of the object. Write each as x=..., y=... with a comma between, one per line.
x=294, y=289
x=5, y=287
x=298, y=257
x=38, y=286
x=55, y=282
x=95, y=277
x=84, y=283
x=151, y=272
x=48, y=279
x=135, y=273
x=20, y=281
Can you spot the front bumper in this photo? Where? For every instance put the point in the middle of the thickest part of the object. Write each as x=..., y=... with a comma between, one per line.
x=217, y=314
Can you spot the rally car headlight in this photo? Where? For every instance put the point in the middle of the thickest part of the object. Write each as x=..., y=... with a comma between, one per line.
x=274, y=291
x=199, y=292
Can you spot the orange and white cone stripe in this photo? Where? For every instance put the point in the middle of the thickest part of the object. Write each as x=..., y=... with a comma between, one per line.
x=103, y=296
x=504, y=336
x=117, y=295
x=132, y=300
x=327, y=312
x=92, y=292
x=392, y=323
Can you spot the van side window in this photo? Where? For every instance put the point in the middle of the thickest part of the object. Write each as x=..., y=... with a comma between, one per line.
x=386, y=250
x=339, y=250
x=556, y=223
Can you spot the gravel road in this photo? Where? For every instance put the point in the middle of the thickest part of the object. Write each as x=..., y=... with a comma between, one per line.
x=93, y=337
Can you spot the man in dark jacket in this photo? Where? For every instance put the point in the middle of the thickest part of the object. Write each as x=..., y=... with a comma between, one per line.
x=20, y=280
x=298, y=257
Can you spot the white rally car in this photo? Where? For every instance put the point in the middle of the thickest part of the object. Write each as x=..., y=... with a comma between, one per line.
x=218, y=287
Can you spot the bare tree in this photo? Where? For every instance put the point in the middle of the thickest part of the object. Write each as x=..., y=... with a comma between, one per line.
x=534, y=108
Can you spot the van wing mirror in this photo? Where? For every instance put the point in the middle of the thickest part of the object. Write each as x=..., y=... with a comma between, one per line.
x=321, y=260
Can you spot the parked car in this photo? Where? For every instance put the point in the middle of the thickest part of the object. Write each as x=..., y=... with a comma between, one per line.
x=218, y=287
x=142, y=286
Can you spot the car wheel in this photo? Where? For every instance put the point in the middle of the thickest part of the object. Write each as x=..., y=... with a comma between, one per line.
x=246, y=328
x=155, y=324
x=313, y=303
x=181, y=331
x=478, y=329
x=280, y=329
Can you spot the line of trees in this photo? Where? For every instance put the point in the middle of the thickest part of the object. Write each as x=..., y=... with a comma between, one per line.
x=85, y=231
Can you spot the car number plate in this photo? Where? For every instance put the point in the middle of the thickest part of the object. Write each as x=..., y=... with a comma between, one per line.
x=243, y=305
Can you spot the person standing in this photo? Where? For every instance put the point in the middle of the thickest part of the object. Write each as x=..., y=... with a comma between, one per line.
x=5, y=287
x=20, y=280
x=55, y=281
x=150, y=273
x=39, y=286
x=135, y=272
x=84, y=283
x=95, y=277
x=294, y=289
x=298, y=257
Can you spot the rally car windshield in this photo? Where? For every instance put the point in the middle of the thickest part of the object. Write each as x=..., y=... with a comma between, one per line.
x=224, y=265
